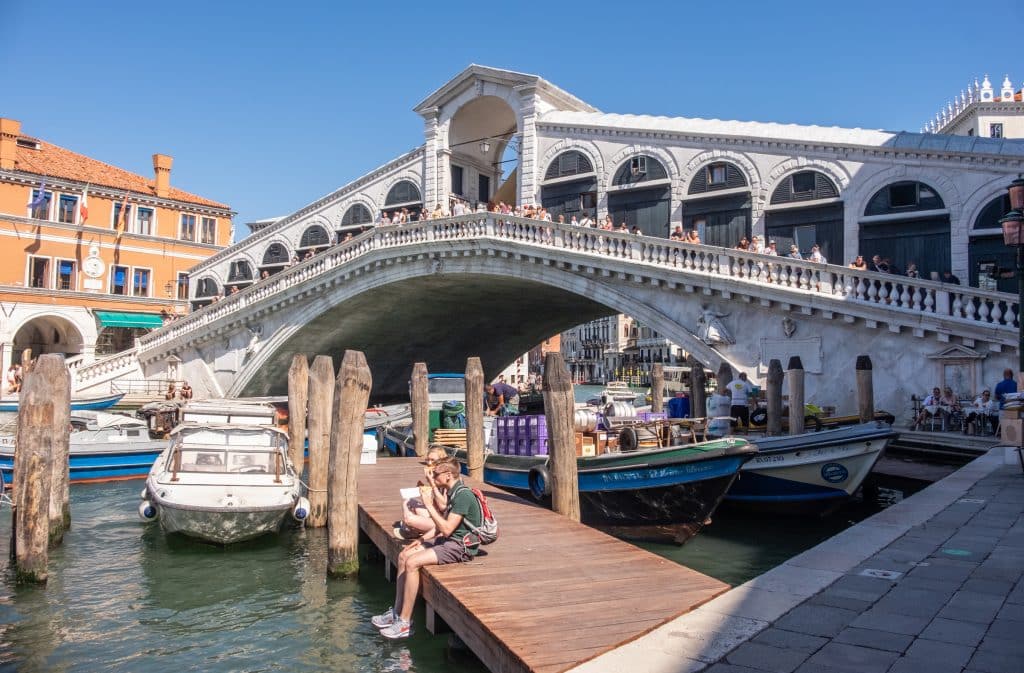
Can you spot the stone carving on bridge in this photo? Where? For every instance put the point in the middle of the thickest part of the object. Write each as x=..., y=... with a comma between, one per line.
x=254, y=345
x=788, y=327
x=710, y=328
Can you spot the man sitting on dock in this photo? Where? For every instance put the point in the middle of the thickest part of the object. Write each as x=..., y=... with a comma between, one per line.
x=456, y=543
x=416, y=521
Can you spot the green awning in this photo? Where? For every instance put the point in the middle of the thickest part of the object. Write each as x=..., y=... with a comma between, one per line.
x=143, y=320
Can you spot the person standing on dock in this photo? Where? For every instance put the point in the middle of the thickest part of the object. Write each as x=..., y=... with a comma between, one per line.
x=456, y=543
x=741, y=390
x=1007, y=385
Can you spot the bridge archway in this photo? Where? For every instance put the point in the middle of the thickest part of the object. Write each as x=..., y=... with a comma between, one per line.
x=805, y=209
x=907, y=221
x=482, y=141
x=47, y=334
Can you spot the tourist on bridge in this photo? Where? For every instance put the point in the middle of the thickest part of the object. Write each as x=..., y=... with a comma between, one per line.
x=744, y=244
x=692, y=236
x=677, y=233
x=948, y=277
x=1005, y=387
x=456, y=543
x=794, y=252
x=912, y=271
x=816, y=255
x=757, y=245
x=771, y=249
x=859, y=264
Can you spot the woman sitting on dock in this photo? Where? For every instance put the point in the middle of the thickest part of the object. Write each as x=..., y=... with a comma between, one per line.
x=416, y=521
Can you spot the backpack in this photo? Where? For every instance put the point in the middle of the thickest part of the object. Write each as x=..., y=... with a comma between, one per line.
x=487, y=532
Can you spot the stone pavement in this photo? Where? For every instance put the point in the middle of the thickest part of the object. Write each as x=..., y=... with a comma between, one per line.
x=932, y=584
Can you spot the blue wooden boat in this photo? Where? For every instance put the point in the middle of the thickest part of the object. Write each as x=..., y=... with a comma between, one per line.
x=98, y=403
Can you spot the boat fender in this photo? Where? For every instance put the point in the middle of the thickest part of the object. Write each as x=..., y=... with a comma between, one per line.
x=628, y=440
x=540, y=482
x=148, y=511
x=759, y=417
x=301, y=509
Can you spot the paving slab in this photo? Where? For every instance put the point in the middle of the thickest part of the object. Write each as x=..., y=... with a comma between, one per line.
x=873, y=638
x=955, y=631
x=935, y=653
x=790, y=640
x=766, y=658
x=854, y=658
x=817, y=620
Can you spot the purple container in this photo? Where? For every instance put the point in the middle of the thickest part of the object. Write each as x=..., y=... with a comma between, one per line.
x=541, y=447
x=523, y=447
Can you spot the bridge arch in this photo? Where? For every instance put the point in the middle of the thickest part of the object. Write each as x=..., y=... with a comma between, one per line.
x=48, y=333
x=571, y=180
x=640, y=193
x=987, y=255
x=722, y=215
x=480, y=131
x=402, y=191
x=241, y=271
x=805, y=207
x=357, y=214
x=275, y=256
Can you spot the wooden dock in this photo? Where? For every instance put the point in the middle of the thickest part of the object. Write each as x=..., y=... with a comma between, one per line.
x=549, y=594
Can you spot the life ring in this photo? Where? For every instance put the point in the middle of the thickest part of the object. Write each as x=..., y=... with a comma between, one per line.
x=759, y=417
x=628, y=439
x=540, y=482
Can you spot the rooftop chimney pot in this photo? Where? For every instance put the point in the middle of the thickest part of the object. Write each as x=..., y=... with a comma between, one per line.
x=10, y=129
x=162, y=170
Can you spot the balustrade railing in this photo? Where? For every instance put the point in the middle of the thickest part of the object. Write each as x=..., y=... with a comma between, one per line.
x=959, y=304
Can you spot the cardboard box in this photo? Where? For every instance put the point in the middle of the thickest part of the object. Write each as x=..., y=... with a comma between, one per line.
x=1011, y=431
x=589, y=448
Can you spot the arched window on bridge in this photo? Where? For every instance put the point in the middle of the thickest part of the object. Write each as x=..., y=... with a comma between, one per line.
x=990, y=262
x=357, y=218
x=907, y=221
x=812, y=214
x=642, y=195
x=206, y=290
x=403, y=194
x=315, y=239
x=239, y=275
x=570, y=187
x=720, y=218
x=275, y=259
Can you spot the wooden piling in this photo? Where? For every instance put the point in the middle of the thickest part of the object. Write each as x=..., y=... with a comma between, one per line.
x=57, y=386
x=865, y=389
x=298, y=396
x=420, y=401
x=321, y=395
x=33, y=475
x=559, y=407
x=26, y=362
x=657, y=387
x=774, y=395
x=475, y=419
x=698, y=386
x=724, y=377
x=795, y=375
x=351, y=394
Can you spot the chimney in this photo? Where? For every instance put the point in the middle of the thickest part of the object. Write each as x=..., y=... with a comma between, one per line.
x=162, y=168
x=9, y=132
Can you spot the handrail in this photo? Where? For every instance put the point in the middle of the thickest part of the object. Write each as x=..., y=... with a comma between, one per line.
x=963, y=305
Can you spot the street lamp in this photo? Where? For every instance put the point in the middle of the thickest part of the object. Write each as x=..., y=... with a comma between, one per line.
x=1013, y=236
x=485, y=146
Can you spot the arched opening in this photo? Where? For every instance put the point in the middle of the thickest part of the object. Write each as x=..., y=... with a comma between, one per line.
x=991, y=263
x=207, y=291
x=484, y=153
x=403, y=195
x=314, y=239
x=570, y=186
x=49, y=334
x=355, y=220
x=803, y=211
x=275, y=258
x=718, y=204
x=642, y=195
x=906, y=222
x=239, y=275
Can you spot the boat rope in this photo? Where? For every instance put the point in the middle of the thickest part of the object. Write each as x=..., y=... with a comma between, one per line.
x=312, y=490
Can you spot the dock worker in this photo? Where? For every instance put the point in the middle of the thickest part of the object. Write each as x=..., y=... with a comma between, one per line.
x=741, y=389
x=494, y=402
x=509, y=393
x=455, y=543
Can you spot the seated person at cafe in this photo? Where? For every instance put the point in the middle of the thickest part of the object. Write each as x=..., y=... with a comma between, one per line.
x=949, y=406
x=929, y=407
x=982, y=414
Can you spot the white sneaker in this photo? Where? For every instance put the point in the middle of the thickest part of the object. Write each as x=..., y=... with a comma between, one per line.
x=399, y=629
x=384, y=620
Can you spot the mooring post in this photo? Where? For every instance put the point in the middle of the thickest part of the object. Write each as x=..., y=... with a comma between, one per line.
x=351, y=394
x=774, y=395
x=58, y=384
x=321, y=396
x=657, y=387
x=298, y=396
x=865, y=390
x=698, y=387
x=795, y=375
x=33, y=474
x=559, y=408
x=475, y=419
x=724, y=378
x=420, y=401
x=26, y=361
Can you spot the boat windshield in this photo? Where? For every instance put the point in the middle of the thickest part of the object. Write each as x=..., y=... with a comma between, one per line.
x=202, y=459
x=447, y=386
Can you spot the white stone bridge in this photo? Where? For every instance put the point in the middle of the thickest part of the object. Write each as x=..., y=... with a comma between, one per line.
x=495, y=285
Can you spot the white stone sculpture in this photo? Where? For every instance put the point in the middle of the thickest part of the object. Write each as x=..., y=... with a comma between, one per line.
x=711, y=330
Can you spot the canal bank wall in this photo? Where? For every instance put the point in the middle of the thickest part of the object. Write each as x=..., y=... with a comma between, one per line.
x=930, y=583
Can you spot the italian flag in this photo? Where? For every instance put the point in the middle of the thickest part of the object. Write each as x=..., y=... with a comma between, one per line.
x=83, y=207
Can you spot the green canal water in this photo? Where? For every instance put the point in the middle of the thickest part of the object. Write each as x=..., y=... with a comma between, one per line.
x=123, y=597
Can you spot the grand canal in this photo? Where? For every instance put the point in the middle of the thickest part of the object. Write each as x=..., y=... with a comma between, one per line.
x=123, y=597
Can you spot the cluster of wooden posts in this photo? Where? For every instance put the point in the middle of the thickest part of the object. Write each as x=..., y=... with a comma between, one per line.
x=41, y=512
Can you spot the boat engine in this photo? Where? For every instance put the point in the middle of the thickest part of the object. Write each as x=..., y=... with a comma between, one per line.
x=301, y=509
x=148, y=511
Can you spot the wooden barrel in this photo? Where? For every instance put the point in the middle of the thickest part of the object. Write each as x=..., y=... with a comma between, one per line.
x=585, y=420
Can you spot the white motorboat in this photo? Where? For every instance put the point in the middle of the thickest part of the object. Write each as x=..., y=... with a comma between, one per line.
x=223, y=483
x=614, y=391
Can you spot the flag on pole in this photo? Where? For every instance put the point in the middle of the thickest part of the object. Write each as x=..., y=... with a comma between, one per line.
x=83, y=206
x=40, y=198
x=122, y=220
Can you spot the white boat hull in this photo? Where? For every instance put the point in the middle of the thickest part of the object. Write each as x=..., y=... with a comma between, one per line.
x=220, y=525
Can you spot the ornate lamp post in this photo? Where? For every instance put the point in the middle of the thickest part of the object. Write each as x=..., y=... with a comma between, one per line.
x=1013, y=236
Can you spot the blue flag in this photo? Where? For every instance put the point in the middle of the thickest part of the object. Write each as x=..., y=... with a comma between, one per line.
x=40, y=198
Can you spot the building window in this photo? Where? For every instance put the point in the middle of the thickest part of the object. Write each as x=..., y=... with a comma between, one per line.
x=182, y=286
x=67, y=270
x=716, y=174
x=144, y=221
x=119, y=223
x=66, y=207
x=38, y=272
x=119, y=280
x=803, y=182
x=995, y=130
x=188, y=228
x=42, y=211
x=903, y=195
x=457, y=180
x=209, y=230
x=140, y=282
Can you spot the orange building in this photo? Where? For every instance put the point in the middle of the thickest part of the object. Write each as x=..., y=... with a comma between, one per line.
x=93, y=255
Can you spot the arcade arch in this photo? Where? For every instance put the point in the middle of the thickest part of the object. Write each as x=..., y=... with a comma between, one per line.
x=50, y=334
x=570, y=186
x=990, y=261
x=804, y=210
x=641, y=195
x=718, y=203
x=907, y=221
x=480, y=139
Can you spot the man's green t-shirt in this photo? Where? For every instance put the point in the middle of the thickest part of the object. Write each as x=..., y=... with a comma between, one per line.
x=464, y=502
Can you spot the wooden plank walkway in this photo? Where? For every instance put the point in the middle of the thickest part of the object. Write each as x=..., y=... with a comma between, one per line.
x=549, y=594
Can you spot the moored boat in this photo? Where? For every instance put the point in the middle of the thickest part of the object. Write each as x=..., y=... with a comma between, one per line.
x=223, y=483
x=93, y=403
x=614, y=391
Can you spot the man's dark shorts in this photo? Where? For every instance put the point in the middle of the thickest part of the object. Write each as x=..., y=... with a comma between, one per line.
x=742, y=412
x=447, y=550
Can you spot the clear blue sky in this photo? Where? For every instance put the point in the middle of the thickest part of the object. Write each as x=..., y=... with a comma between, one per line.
x=268, y=106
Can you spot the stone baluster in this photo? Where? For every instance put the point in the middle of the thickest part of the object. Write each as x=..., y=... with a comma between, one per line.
x=929, y=300
x=983, y=312
x=997, y=314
